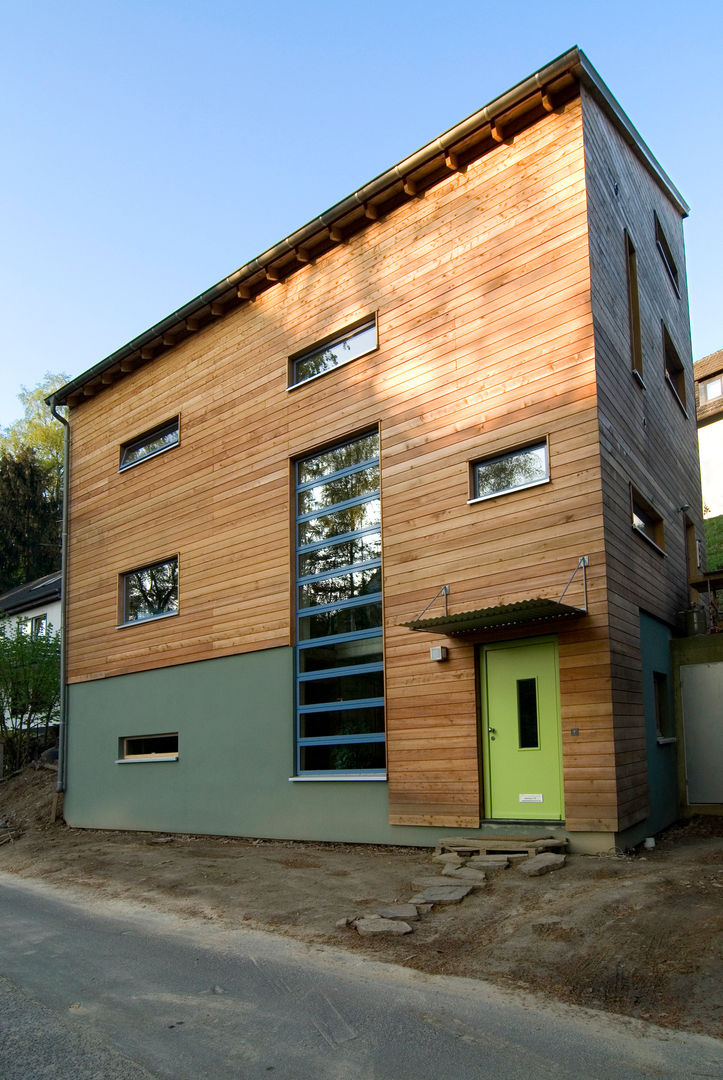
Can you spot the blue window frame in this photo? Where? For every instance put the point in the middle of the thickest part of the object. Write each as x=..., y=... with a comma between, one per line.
x=339, y=650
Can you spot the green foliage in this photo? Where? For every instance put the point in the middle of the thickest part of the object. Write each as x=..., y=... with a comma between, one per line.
x=30, y=518
x=38, y=429
x=29, y=689
x=714, y=542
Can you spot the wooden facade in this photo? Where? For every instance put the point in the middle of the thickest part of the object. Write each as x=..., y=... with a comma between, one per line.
x=502, y=313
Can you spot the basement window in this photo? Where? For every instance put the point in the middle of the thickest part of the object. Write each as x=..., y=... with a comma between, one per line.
x=646, y=521
x=149, y=444
x=512, y=471
x=666, y=255
x=334, y=352
x=148, y=747
x=674, y=370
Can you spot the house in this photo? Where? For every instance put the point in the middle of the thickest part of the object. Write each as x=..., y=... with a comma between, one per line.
x=708, y=374
x=36, y=605
x=385, y=535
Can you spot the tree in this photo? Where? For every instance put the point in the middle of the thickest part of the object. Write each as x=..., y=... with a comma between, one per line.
x=30, y=518
x=29, y=689
x=38, y=429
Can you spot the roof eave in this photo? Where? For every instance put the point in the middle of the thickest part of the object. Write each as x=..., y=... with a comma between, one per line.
x=259, y=273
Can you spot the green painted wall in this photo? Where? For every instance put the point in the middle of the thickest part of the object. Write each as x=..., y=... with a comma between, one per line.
x=655, y=646
x=234, y=718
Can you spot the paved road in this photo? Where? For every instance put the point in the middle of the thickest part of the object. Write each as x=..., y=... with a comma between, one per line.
x=94, y=991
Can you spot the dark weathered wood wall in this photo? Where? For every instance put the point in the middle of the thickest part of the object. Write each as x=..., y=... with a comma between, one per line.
x=646, y=437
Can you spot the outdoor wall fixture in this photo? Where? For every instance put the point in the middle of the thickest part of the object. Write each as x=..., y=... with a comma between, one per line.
x=438, y=652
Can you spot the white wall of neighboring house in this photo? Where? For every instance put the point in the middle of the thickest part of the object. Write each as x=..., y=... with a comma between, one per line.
x=710, y=443
x=50, y=611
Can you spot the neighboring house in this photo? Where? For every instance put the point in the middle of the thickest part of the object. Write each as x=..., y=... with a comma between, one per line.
x=386, y=535
x=708, y=374
x=36, y=605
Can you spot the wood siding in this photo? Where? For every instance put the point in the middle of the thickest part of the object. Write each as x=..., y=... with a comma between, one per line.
x=646, y=438
x=486, y=342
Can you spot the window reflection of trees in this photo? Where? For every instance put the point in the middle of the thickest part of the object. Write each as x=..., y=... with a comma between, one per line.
x=151, y=590
x=511, y=471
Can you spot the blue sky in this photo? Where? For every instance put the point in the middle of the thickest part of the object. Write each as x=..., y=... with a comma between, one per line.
x=150, y=148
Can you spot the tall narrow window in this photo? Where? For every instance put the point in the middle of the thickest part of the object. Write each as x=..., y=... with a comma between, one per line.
x=666, y=255
x=674, y=370
x=636, y=347
x=339, y=660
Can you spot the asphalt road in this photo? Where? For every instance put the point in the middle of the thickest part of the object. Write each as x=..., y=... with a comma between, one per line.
x=104, y=991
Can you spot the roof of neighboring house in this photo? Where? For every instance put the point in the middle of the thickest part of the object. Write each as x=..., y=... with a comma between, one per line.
x=32, y=594
x=548, y=89
x=705, y=368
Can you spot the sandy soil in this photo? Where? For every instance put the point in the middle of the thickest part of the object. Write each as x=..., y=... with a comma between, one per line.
x=638, y=935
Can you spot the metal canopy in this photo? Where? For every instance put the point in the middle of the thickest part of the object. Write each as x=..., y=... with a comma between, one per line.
x=525, y=611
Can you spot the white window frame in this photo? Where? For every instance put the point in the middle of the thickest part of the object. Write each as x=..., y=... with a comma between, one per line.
x=172, y=425
x=541, y=444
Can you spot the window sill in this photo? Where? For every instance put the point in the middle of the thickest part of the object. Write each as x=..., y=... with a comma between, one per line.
x=144, y=760
x=147, y=457
x=666, y=740
x=321, y=374
x=345, y=777
x=646, y=538
x=676, y=395
x=637, y=376
x=507, y=491
x=149, y=618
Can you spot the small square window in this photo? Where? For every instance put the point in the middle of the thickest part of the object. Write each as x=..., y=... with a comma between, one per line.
x=148, y=747
x=149, y=444
x=150, y=592
x=646, y=520
x=666, y=255
x=674, y=370
x=512, y=471
x=710, y=389
x=354, y=342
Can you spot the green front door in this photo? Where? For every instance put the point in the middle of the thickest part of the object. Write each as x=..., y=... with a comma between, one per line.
x=521, y=731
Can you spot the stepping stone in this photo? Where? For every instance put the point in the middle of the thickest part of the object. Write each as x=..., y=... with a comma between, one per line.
x=542, y=864
x=376, y=925
x=443, y=894
x=464, y=873
x=441, y=882
x=398, y=911
x=449, y=857
x=489, y=862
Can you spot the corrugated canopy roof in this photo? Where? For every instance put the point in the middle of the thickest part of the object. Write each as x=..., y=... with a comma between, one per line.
x=518, y=614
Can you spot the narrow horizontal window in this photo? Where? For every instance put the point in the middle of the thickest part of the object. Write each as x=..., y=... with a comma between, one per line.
x=148, y=747
x=150, y=443
x=150, y=592
x=509, y=472
x=666, y=255
x=646, y=520
x=351, y=344
x=674, y=370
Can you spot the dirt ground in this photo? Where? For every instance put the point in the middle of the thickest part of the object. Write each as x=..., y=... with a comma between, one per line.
x=638, y=934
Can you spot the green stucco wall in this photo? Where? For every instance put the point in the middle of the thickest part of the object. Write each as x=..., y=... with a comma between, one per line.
x=234, y=718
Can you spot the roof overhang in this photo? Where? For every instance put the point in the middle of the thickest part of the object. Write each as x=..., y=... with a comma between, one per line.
x=497, y=122
x=522, y=613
